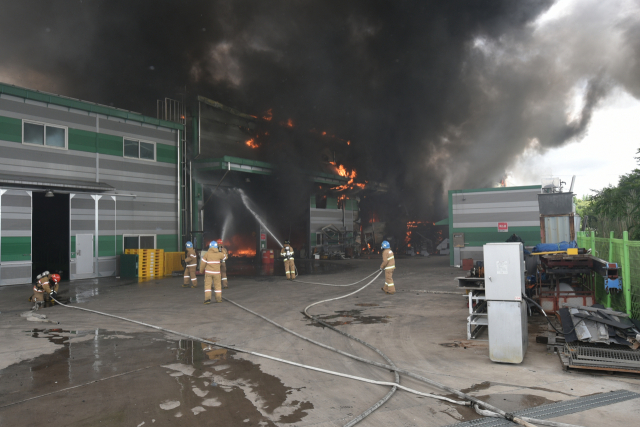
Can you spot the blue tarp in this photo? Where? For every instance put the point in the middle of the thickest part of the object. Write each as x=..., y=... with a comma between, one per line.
x=551, y=247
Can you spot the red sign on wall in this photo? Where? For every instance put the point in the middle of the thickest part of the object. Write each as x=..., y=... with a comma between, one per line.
x=263, y=237
x=503, y=226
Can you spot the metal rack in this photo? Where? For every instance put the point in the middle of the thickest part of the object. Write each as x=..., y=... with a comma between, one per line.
x=477, y=320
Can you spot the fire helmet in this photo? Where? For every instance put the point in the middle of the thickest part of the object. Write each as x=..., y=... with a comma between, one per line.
x=55, y=277
x=189, y=245
x=219, y=241
x=213, y=244
x=287, y=242
x=385, y=245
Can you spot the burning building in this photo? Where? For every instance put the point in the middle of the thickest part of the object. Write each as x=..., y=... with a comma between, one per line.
x=258, y=180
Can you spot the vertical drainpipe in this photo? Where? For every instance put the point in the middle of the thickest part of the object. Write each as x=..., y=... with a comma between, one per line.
x=179, y=189
x=97, y=150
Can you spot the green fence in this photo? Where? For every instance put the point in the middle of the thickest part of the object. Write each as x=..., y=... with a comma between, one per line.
x=626, y=253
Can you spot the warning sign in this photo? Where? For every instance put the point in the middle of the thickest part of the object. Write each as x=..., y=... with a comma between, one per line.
x=263, y=237
x=503, y=227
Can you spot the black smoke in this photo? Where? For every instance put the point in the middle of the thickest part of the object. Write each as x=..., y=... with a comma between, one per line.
x=434, y=95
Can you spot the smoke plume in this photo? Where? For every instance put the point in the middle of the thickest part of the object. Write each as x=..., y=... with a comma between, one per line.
x=434, y=95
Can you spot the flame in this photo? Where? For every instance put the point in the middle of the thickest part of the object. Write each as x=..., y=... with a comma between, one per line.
x=268, y=115
x=252, y=144
x=324, y=133
x=242, y=245
x=290, y=123
x=348, y=142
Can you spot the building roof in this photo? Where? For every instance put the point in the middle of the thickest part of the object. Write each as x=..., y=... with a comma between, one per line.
x=78, y=104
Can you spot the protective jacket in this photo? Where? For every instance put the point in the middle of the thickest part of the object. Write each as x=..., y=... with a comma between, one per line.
x=289, y=265
x=388, y=266
x=191, y=258
x=286, y=252
x=388, y=260
x=210, y=263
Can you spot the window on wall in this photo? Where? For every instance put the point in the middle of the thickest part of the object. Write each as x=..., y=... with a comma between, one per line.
x=147, y=241
x=139, y=149
x=44, y=134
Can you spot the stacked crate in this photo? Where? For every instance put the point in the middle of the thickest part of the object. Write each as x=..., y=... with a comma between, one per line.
x=173, y=262
x=150, y=262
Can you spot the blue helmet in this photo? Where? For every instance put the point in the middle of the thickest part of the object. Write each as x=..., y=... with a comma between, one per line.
x=213, y=244
x=385, y=245
x=189, y=245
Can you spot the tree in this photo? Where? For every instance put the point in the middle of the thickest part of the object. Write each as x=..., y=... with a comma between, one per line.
x=617, y=208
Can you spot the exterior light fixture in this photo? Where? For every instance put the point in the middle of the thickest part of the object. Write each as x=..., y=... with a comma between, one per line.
x=49, y=193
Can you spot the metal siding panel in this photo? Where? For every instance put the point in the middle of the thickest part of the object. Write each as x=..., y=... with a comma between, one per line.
x=137, y=168
x=17, y=199
x=9, y=224
x=110, y=144
x=13, y=274
x=134, y=187
x=34, y=157
x=496, y=217
x=168, y=242
x=15, y=248
x=82, y=226
x=82, y=140
x=166, y=153
x=496, y=197
x=10, y=129
x=107, y=245
x=44, y=114
x=137, y=131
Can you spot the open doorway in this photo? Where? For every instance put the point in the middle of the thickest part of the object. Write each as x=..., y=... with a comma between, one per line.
x=50, y=234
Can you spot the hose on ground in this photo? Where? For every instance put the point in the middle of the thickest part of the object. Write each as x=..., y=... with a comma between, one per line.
x=327, y=284
x=549, y=320
x=253, y=353
x=506, y=415
x=486, y=413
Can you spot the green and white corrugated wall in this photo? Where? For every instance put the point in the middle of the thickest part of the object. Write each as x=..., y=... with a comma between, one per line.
x=477, y=212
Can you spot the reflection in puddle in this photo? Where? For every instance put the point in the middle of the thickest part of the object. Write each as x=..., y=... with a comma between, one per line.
x=144, y=375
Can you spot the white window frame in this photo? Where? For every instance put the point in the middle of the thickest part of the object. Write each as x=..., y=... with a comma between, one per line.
x=155, y=239
x=155, y=153
x=66, y=135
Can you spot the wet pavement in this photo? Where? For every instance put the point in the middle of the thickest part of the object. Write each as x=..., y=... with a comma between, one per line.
x=85, y=369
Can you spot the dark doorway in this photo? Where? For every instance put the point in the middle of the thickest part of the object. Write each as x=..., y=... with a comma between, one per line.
x=50, y=234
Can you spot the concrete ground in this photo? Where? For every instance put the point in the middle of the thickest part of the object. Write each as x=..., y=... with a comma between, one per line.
x=87, y=369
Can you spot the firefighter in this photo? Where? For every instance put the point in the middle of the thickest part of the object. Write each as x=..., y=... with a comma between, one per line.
x=191, y=263
x=210, y=265
x=388, y=265
x=38, y=292
x=223, y=265
x=289, y=266
x=51, y=285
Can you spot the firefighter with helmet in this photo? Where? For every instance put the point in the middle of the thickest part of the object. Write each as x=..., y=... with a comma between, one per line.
x=191, y=263
x=223, y=265
x=289, y=266
x=210, y=266
x=388, y=265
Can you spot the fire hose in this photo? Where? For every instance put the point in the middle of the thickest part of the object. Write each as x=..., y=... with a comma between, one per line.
x=391, y=367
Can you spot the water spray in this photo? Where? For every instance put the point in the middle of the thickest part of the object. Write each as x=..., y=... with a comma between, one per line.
x=245, y=200
x=225, y=226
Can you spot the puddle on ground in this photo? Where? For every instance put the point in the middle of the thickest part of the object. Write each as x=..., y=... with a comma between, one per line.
x=144, y=377
x=507, y=402
x=368, y=305
x=464, y=344
x=348, y=317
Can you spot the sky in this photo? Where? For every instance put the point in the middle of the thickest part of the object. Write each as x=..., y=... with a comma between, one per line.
x=433, y=95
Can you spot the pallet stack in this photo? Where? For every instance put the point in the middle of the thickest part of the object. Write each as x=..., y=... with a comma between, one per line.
x=150, y=262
